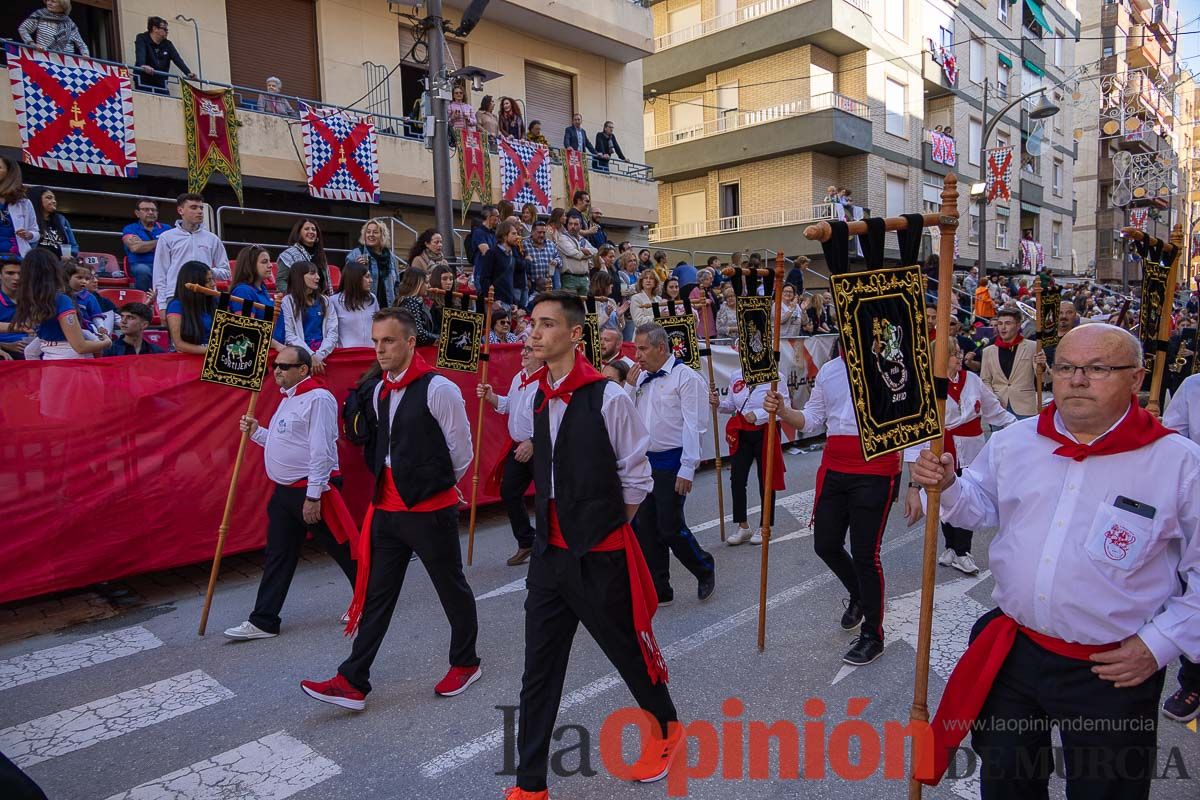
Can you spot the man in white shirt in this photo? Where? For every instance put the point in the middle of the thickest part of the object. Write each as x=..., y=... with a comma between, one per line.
x=577, y=254
x=514, y=474
x=670, y=398
x=852, y=495
x=1098, y=510
x=188, y=241
x=420, y=449
x=610, y=348
x=745, y=435
x=300, y=454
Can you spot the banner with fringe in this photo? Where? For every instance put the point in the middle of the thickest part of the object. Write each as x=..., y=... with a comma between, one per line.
x=575, y=174
x=474, y=168
x=341, y=154
x=210, y=134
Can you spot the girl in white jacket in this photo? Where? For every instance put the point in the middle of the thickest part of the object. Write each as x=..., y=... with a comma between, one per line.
x=970, y=404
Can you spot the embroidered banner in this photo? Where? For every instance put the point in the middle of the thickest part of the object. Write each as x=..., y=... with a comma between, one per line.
x=210, y=132
x=682, y=338
x=73, y=114
x=525, y=173
x=238, y=348
x=943, y=149
x=474, y=168
x=575, y=174
x=460, y=339
x=999, y=173
x=341, y=154
x=1137, y=218
x=1048, y=323
x=760, y=363
x=591, y=339
x=1154, y=292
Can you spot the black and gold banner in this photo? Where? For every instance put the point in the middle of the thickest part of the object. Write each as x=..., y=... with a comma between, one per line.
x=1048, y=324
x=460, y=339
x=886, y=348
x=591, y=339
x=682, y=341
x=1154, y=292
x=237, y=348
x=760, y=363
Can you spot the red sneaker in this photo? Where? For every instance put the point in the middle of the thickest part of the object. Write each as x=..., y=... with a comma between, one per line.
x=517, y=793
x=337, y=690
x=656, y=762
x=457, y=680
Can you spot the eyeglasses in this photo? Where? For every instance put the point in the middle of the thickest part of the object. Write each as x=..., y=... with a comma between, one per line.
x=1093, y=372
x=286, y=367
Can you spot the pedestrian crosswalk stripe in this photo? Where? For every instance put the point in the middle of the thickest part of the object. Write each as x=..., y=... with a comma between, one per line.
x=65, y=658
x=271, y=768
x=109, y=717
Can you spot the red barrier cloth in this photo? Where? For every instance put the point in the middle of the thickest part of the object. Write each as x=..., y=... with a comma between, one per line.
x=112, y=467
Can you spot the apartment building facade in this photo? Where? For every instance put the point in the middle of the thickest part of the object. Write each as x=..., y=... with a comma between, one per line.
x=1131, y=108
x=556, y=56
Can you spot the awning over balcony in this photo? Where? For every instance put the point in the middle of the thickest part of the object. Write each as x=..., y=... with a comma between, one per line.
x=1034, y=68
x=1005, y=60
x=1035, y=8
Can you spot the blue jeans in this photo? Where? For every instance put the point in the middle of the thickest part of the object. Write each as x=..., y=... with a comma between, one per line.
x=556, y=279
x=143, y=276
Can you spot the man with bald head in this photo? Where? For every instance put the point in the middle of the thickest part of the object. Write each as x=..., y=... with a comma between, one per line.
x=1097, y=507
x=610, y=348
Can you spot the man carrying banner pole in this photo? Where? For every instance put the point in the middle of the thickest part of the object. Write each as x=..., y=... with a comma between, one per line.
x=483, y=372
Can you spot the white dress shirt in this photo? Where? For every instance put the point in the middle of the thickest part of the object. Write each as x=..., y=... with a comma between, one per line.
x=1183, y=412
x=829, y=405
x=178, y=246
x=745, y=399
x=353, y=327
x=976, y=400
x=672, y=408
x=518, y=430
x=301, y=441
x=1067, y=561
x=445, y=403
x=626, y=433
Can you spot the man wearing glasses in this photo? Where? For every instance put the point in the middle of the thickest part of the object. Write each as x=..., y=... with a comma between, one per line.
x=1097, y=580
x=154, y=55
x=300, y=454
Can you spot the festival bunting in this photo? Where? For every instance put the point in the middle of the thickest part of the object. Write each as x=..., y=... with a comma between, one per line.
x=525, y=173
x=1154, y=289
x=73, y=114
x=999, y=173
x=474, y=168
x=575, y=174
x=1137, y=218
x=341, y=154
x=238, y=347
x=760, y=364
x=460, y=339
x=1048, y=322
x=210, y=129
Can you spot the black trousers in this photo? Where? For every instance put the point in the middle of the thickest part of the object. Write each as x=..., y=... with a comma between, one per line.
x=1189, y=674
x=957, y=539
x=513, y=485
x=15, y=784
x=860, y=504
x=395, y=536
x=1108, y=735
x=749, y=451
x=564, y=591
x=661, y=530
x=286, y=532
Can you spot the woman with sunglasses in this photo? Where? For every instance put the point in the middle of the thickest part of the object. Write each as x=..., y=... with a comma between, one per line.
x=308, y=320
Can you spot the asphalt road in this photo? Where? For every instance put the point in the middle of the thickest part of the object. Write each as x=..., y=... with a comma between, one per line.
x=138, y=706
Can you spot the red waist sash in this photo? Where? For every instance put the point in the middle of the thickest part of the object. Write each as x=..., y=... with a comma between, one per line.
x=844, y=454
x=733, y=428
x=971, y=428
x=334, y=512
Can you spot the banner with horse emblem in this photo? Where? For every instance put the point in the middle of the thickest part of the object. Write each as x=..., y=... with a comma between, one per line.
x=682, y=340
x=73, y=114
x=238, y=347
x=575, y=174
x=341, y=154
x=210, y=129
x=525, y=173
x=999, y=173
x=760, y=364
x=1048, y=324
x=474, y=168
x=460, y=339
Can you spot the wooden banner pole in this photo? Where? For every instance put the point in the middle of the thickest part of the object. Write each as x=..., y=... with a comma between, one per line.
x=947, y=222
x=1037, y=292
x=712, y=387
x=483, y=376
x=768, y=504
x=195, y=287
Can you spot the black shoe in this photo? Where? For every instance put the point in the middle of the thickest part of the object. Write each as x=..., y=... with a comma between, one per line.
x=1183, y=706
x=865, y=650
x=853, y=616
x=708, y=584
x=666, y=599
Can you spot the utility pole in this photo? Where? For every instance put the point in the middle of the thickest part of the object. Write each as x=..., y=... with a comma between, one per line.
x=439, y=92
x=981, y=258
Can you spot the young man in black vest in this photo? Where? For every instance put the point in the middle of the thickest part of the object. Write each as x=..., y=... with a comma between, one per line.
x=420, y=450
x=591, y=473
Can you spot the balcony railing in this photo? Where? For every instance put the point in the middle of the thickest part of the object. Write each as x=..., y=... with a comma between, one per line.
x=748, y=119
x=746, y=222
x=735, y=17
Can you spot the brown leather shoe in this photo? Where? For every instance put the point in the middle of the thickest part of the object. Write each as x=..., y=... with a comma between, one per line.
x=520, y=557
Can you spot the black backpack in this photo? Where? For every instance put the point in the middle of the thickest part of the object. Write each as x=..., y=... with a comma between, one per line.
x=359, y=422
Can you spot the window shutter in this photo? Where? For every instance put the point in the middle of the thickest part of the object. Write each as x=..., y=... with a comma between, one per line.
x=550, y=98
x=290, y=26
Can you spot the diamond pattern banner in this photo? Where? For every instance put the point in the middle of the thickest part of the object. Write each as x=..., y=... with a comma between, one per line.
x=341, y=154
x=74, y=114
x=999, y=173
x=525, y=173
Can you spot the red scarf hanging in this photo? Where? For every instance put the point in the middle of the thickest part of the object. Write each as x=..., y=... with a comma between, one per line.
x=1003, y=345
x=738, y=423
x=1138, y=429
x=334, y=511
x=582, y=374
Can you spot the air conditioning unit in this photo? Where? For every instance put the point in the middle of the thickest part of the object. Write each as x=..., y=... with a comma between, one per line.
x=1158, y=14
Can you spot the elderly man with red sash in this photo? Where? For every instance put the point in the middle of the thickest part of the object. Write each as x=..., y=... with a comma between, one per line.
x=1098, y=510
x=300, y=455
x=422, y=448
x=851, y=494
x=591, y=473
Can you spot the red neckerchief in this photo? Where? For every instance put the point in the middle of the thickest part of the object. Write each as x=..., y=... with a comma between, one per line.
x=309, y=384
x=581, y=375
x=416, y=368
x=955, y=387
x=1138, y=429
x=1003, y=345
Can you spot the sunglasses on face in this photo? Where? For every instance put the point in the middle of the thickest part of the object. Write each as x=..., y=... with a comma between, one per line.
x=286, y=367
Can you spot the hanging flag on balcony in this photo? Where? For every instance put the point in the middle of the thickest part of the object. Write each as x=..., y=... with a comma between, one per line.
x=525, y=173
x=999, y=173
x=1137, y=218
x=474, y=168
x=210, y=133
x=943, y=149
x=575, y=174
x=74, y=114
x=341, y=154
x=949, y=66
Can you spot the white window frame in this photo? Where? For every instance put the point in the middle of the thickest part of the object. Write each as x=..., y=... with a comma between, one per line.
x=973, y=221
x=891, y=21
x=1056, y=229
x=974, y=145
x=1056, y=178
x=1003, y=86
x=1002, y=11
x=888, y=182
x=1001, y=233
x=1058, y=48
x=895, y=121
x=976, y=53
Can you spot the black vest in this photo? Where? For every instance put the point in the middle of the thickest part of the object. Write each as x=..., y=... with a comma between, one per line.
x=421, y=465
x=587, y=489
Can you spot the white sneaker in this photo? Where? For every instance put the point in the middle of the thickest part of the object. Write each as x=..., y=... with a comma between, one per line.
x=794, y=451
x=344, y=618
x=756, y=537
x=740, y=535
x=965, y=564
x=947, y=557
x=246, y=631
